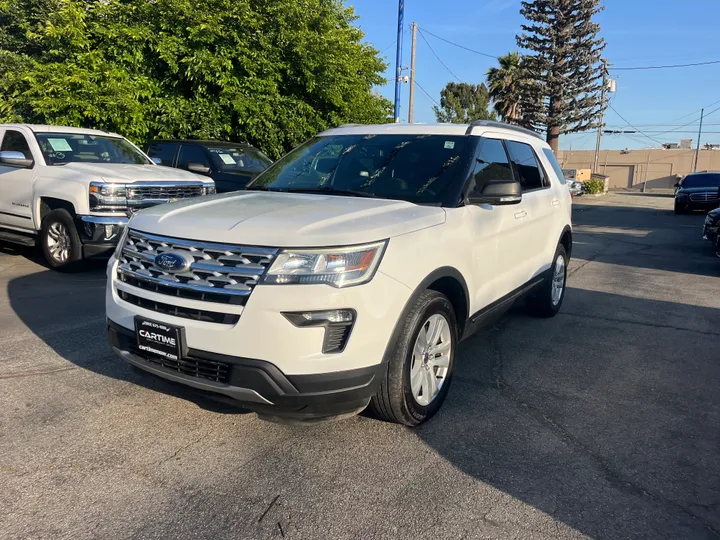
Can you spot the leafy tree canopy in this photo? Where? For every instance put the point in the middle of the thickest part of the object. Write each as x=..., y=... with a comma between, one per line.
x=270, y=72
x=463, y=103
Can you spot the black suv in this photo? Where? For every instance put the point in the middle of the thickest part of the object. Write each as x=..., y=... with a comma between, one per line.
x=697, y=191
x=231, y=165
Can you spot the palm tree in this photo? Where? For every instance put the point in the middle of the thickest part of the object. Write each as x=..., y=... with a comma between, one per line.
x=505, y=87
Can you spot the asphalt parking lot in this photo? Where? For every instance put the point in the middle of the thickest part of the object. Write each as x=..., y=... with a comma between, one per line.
x=603, y=422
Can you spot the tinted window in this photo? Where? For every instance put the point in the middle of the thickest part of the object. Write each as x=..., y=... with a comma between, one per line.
x=63, y=148
x=530, y=174
x=555, y=165
x=698, y=180
x=192, y=153
x=165, y=152
x=14, y=141
x=491, y=163
x=415, y=168
x=238, y=158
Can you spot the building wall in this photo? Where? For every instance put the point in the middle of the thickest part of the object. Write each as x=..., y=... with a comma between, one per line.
x=633, y=168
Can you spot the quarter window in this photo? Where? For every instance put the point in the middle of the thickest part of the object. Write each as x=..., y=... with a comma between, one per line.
x=530, y=173
x=550, y=156
x=14, y=141
x=491, y=163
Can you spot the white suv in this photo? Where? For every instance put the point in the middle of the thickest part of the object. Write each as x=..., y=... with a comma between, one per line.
x=349, y=271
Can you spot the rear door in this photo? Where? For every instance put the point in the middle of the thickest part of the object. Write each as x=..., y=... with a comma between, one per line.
x=539, y=204
x=16, y=186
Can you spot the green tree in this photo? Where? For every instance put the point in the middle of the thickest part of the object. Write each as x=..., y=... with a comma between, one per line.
x=462, y=103
x=562, y=93
x=504, y=85
x=271, y=72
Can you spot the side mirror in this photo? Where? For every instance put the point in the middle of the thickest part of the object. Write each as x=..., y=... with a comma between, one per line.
x=156, y=160
x=198, y=168
x=498, y=193
x=676, y=185
x=16, y=159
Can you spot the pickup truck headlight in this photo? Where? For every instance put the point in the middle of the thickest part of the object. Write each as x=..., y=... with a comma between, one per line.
x=339, y=267
x=209, y=189
x=111, y=197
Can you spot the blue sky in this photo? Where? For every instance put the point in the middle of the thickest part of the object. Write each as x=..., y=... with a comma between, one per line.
x=637, y=32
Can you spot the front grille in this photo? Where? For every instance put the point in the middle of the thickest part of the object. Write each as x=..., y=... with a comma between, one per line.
x=151, y=192
x=179, y=311
x=195, y=367
x=219, y=273
x=704, y=197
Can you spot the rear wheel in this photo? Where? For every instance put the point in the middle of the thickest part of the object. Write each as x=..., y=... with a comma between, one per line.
x=60, y=241
x=546, y=302
x=421, y=365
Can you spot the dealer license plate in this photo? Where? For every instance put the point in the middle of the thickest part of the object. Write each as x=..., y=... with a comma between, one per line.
x=159, y=339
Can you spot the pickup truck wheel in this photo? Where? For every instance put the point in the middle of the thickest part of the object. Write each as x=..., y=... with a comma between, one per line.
x=547, y=300
x=421, y=364
x=61, y=244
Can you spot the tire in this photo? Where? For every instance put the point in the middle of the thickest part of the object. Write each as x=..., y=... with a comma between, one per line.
x=58, y=227
x=546, y=302
x=396, y=400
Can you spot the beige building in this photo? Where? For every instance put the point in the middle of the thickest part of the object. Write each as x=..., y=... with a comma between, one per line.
x=654, y=168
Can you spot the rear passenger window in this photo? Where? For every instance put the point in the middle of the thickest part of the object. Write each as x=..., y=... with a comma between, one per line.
x=555, y=165
x=491, y=163
x=530, y=173
x=164, y=151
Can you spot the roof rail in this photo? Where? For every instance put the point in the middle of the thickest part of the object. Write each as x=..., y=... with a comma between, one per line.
x=493, y=124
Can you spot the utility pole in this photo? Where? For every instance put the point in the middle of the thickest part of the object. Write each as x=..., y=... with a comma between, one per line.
x=602, y=115
x=411, y=106
x=398, y=59
x=697, y=152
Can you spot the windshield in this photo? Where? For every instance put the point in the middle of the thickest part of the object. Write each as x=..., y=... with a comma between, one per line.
x=63, y=148
x=415, y=168
x=701, y=180
x=238, y=158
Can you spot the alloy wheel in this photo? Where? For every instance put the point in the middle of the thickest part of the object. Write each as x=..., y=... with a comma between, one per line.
x=430, y=359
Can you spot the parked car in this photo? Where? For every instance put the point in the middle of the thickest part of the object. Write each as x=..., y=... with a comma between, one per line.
x=711, y=228
x=231, y=165
x=70, y=189
x=698, y=191
x=576, y=188
x=348, y=272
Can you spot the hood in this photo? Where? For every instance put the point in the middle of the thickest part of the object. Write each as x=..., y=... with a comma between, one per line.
x=124, y=173
x=286, y=219
x=701, y=189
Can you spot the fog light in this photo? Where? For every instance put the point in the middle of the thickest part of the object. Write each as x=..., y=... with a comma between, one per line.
x=338, y=324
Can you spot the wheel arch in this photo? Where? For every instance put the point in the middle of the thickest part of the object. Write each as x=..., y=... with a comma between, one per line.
x=48, y=204
x=566, y=240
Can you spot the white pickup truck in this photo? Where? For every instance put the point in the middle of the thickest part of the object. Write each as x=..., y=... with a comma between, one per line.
x=71, y=190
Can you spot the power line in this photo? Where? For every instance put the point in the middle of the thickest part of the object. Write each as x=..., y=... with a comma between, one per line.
x=426, y=93
x=666, y=67
x=461, y=46
x=422, y=35
x=689, y=123
x=629, y=124
x=695, y=112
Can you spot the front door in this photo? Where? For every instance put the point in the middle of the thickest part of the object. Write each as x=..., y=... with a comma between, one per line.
x=15, y=184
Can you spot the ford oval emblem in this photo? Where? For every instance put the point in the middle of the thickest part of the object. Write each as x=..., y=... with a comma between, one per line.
x=173, y=261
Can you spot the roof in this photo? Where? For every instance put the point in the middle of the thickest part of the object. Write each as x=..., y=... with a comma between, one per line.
x=476, y=128
x=41, y=128
x=199, y=141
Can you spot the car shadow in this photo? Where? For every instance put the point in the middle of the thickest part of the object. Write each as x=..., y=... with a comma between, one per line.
x=67, y=312
x=606, y=418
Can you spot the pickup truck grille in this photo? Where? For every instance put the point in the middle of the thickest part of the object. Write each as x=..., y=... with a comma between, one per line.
x=162, y=193
x=219, y=273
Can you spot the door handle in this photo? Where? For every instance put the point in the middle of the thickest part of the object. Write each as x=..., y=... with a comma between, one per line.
x=520, y=215
x=556, y=202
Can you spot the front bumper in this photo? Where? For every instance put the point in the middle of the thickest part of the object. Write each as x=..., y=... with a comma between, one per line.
x=100, y=234
x=260, y=386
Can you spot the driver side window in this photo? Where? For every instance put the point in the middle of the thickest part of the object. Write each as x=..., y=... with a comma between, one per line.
x=14, y=141
x=491, y=163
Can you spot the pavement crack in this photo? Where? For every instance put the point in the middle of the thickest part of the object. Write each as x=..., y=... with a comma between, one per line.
x=181, y=449
x=272, y=503
x=35, y=372
x=641, y=323
x=280, y=527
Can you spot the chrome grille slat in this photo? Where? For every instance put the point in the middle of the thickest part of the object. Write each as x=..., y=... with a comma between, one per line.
x=220, y=272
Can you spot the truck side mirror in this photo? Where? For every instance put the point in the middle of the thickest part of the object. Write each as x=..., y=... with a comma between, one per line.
x=16, y=159
x=498, y=193
x=198, y=168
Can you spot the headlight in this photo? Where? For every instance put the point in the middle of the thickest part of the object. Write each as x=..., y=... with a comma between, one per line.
x=339, y=267
x=210, y=189
x=681, y=196
x=111, y=197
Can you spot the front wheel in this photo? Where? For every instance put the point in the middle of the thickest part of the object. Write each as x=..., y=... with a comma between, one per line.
x=547, y=300
x=60, y=241
x=421, y=363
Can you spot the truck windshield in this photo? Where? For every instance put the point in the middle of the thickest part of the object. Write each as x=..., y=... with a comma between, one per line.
x=64, y=148
x=414, y=168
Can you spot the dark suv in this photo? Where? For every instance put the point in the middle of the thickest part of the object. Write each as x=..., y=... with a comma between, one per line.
x=231, y=165
x=697, y=191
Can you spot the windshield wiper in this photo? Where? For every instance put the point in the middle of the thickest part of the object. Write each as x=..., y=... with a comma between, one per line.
x=333, y=191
